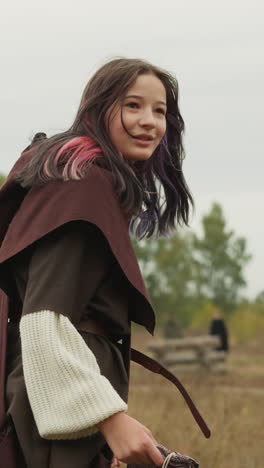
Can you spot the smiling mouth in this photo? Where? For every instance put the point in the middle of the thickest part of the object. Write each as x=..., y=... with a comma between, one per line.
x=144, y=137
x=142, y=142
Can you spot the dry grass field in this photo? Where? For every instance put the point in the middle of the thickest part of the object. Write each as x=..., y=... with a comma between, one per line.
x=232, y=405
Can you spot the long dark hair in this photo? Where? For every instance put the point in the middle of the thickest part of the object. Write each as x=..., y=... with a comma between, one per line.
x=153, y=192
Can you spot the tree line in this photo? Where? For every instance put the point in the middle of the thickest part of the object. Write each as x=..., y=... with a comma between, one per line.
x=188, y=272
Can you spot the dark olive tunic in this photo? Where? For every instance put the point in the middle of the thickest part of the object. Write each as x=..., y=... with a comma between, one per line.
x=71, y=271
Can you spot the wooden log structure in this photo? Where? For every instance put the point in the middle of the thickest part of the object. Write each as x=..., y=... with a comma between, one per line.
x=189, y=353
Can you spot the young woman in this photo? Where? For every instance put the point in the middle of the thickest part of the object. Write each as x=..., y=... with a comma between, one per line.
x=68, y=259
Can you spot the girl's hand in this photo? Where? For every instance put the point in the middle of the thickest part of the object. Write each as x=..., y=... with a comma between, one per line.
x=129, y=440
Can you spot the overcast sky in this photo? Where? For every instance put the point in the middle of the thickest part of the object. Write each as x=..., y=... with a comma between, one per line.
x=216, y=50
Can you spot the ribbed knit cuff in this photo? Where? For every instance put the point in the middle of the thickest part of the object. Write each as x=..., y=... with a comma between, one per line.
x=67, y=393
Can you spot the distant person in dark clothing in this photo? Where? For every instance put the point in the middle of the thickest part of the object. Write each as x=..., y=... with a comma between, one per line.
x=218, y=327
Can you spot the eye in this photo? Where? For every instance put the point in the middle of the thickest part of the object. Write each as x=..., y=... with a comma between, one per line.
x=160, y=110
x=132, y=105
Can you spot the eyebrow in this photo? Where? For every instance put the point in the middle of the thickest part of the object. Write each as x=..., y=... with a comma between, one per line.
x=140, y=97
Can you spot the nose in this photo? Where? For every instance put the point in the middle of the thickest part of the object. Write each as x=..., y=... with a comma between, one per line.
x=147, y=118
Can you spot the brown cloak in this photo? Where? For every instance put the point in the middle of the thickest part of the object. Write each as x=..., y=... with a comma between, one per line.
x=28, y=215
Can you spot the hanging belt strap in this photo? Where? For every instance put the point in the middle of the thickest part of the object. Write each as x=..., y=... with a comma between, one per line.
x=157, y=368
x=129, y=353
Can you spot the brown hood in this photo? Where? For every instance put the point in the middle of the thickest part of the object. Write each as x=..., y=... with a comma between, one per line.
x=28, y=215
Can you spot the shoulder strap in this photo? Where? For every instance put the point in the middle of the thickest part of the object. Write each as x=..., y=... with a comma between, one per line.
x=157, y=368
x=3, y=342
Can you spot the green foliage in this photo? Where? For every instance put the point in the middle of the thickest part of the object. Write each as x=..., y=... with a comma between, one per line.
x=167, y=268
x=203, y=316
x=259, y=301
x=188, y=275
x=220, y=260
x=246, y=323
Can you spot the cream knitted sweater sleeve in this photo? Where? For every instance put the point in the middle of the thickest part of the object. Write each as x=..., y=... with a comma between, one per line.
x=67, y=393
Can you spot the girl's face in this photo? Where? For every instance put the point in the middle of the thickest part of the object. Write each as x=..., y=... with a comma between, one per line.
x=143, y=111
